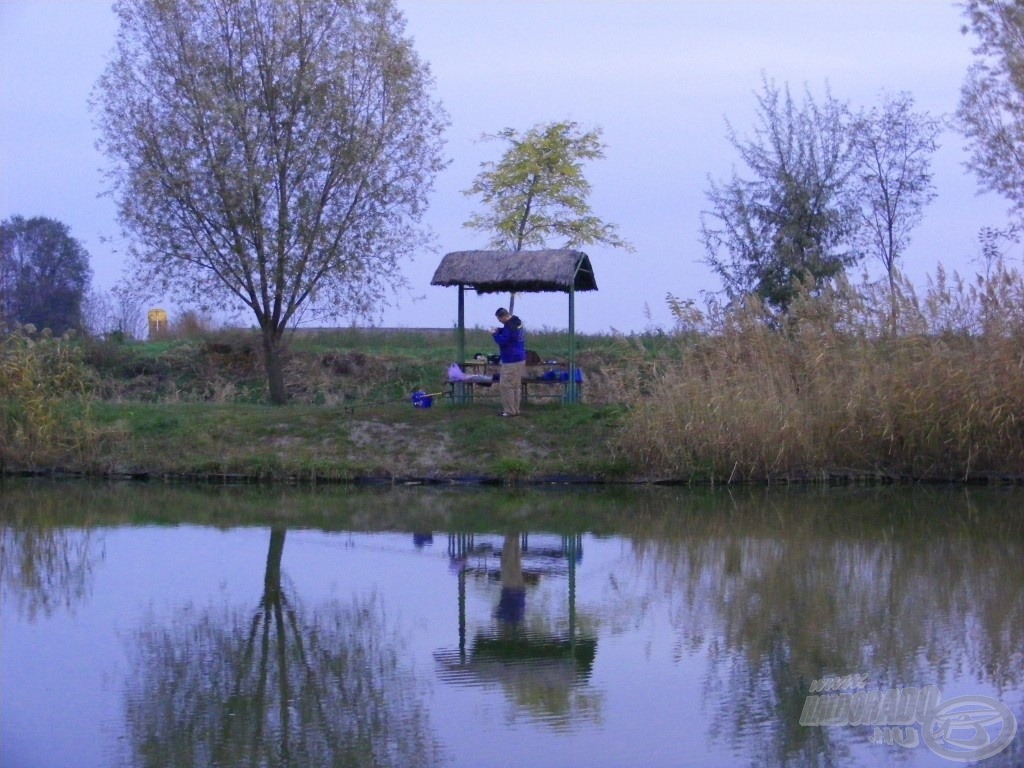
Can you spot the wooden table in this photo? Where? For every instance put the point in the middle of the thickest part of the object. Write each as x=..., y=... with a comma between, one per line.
x=534, y=377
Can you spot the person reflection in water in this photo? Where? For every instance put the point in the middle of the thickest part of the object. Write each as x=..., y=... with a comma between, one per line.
x=512, y=603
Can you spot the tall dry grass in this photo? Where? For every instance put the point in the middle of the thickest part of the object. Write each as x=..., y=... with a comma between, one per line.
x=44, y=398
x=855, y=382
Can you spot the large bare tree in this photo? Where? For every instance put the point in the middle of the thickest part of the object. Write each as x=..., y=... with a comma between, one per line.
x=276, y=153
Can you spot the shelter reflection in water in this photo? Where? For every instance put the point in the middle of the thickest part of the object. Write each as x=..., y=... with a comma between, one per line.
x=541, y=661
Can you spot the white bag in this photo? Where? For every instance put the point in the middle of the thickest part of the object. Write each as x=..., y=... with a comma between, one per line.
x=455, y=373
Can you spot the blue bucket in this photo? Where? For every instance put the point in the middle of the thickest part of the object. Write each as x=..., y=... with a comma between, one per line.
x=421, y=399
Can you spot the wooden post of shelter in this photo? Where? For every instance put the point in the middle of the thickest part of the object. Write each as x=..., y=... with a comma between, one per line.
x=539, y=271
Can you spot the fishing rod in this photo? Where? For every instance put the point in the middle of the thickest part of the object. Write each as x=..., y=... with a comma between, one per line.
x=419, y=399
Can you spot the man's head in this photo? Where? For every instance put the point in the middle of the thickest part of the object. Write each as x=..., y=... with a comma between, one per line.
x=502, y=314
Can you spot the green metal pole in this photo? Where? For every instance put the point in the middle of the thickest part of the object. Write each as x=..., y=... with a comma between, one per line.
x=572, y=592
x=461, y=395
x=572, y=394
x=462, y=325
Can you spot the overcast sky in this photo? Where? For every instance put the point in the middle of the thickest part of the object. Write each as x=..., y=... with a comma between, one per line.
x=659, y=78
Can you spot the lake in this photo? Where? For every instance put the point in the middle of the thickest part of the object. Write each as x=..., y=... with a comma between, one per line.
x=166, y=625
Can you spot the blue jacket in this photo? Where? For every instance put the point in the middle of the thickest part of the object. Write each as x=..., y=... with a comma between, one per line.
x=511, y=341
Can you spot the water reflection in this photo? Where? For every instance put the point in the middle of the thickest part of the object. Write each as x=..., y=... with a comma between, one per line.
x=690, y=633
x=45, y=566
x=282, y=686
x=774, y=600
x=541, y=662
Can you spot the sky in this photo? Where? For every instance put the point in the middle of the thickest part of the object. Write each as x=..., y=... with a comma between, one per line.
x=659, y=78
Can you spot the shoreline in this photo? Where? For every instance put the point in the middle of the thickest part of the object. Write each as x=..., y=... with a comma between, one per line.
x=312, y=480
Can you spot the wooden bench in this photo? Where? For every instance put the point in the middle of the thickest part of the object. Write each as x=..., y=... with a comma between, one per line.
x=551, y=387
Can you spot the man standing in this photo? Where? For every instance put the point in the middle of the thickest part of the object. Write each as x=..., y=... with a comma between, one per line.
x=511, y=341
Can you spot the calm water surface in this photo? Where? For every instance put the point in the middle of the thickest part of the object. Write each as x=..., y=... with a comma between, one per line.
x=182, y=626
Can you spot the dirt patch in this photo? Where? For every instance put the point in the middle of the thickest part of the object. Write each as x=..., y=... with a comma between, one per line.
x=401, y=449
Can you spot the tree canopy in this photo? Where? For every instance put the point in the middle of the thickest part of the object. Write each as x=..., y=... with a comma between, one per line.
x=824, y=188
x=273, y=153
x=44, y=274
x=789, y=222
x=991, y=110
x=894, y=147
x=537, y=193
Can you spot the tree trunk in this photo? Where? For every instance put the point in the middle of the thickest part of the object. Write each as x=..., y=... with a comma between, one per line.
x=894, y=309
x=272, y=573
x=274, y=364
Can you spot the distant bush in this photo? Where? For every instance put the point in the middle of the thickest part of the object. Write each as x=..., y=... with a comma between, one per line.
x=191, y=325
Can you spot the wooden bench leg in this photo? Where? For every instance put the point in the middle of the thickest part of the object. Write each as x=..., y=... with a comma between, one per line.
x=460, y=391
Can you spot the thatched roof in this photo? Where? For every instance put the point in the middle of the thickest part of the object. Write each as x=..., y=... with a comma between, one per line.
x=517, y=271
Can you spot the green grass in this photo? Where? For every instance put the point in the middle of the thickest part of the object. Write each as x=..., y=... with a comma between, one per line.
x=306, y=442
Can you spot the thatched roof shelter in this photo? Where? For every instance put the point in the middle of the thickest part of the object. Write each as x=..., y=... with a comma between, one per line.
x=549, y=270
x=517, y=271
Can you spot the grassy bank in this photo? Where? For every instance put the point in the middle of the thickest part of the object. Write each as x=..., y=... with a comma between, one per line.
x=195, y=408
x=840, y=389
x=324, y=443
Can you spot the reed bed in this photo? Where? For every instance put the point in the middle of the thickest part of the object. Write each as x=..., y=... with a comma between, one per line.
x=854, y=382
x=45, y=395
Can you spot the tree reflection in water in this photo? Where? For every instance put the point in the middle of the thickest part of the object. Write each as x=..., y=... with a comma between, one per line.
x=776, y=595
x=46, y=569
x=286, y=686
x=542, y=664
